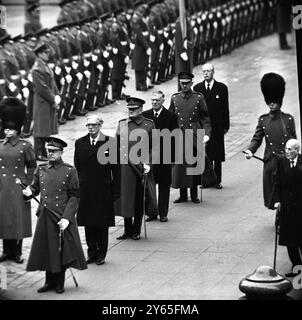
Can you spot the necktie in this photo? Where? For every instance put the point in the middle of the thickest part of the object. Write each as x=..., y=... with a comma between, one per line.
x=156, y=115
x=208, y=88
x=93, y=142
x=292, y=163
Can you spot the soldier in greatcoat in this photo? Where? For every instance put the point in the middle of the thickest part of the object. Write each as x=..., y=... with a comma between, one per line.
x=276, y=127
x=17, y=161
x=56, y=245
x=192, y=113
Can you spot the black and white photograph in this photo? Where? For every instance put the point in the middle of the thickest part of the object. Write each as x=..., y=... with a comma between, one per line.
x=150, y=153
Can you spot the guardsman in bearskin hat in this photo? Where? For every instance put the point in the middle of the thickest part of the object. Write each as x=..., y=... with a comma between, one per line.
x=17, y=161
x=276, y=127
x=56, y=245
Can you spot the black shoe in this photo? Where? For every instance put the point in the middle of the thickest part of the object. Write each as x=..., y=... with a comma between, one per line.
x=45, y=288
x=123, y=237
x=93, y=108
x=218, y=186
x=100, y=261
x=163, y=219
x=62, y=121
x=157, y=82
x=195, y=200
x=42, y=158
x=4, y=256
x=90, y=260
x=151, y=218
x=136, y=237
x=285, y=47
x=59, y=289
x=150, y=86
x=180, y=199
x=18, y=259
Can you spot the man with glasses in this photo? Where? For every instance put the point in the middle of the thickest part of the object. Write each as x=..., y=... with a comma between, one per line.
x=46, y=101
x=192, y=113
x=99, y=188
x=217, y=99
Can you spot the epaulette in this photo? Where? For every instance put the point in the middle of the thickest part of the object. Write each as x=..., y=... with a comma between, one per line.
x=67, y=165
x=287, y=114
x=175, y=94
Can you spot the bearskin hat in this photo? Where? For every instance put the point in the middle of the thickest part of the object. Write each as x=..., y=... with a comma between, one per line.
x=12, y=113
x=273, y=88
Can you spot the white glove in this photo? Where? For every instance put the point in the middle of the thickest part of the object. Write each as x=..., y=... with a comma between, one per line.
x=63, y=224
x=277, y=205
x=57, y=70
x=132, y=46
x=126, y=60
x=195, y=30
x=206, y=138
x=161, y=47
x=115, y=50
x=248, y=154
x=19, y=96
x=62, y=81
x=22, y=72
x=110, y=64
x=152, y=38
x=94, y=58
x=184, y=56
x=67, y=69
x=87, y=73
x=106, y=54
x=86, y=63
x=74, y=65
x=25, y=92
x=68, y=78
x=146, y=168
x=57, y=99
x=149, y=51
x=79, y=76
x=186, y=44
x=24, y=82
x=30, y=77
x=12, y=86
x=27, y=192
x=100, y=67
x=170, y=42
x=51, y=65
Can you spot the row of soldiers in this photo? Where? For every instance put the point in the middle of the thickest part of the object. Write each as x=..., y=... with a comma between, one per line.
x=91, y=54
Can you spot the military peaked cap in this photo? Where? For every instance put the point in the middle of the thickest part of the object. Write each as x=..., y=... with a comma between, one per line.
x=41, y=48
x=185, y=76
x=55, y=143
x=133, y=103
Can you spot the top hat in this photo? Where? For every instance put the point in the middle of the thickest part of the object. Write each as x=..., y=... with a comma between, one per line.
x=133, y=103
x=54, y=143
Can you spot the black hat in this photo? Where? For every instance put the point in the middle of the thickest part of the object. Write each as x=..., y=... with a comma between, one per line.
x=273, y=88
x=41, y=48
x=17, y=38
x=30, y=35
x=63, y=2
x=41, y=32
x=12, y=113
x=133, y=103
x=55, y=143
x=5, y=39
x=32, y=7
x=185, y=76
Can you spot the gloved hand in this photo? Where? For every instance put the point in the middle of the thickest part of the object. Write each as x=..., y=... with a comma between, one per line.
x=57, y=70
x=100, y=67
x=79, y=76
x=57, y=99
x=115, y=50
x=62, y=81
x=24, y=82
x=87, y=73
x=152, y=38
x=206, y=138
x=161, y=47
x=74, y=65
x=126, y=60
x=149, y=51
x=27, y=192
x=146, y=168
x=25, y=92
x=12, y=87
x=184, y=56
x=63, y=224
x=132, y=46
x=248, y=154
x=106, y=54
x=68, y=78
x=277, y=205
x=170, y=42
x=110, y=64
x=86, y=63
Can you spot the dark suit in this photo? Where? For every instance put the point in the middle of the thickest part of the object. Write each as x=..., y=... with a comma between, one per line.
x=217, y=100
x=162, y=172
x=287, y=190
x=99, y=187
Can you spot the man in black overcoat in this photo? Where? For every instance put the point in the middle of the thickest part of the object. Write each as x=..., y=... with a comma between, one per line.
x=99, y=188
x=163, y=119
x=217, y=99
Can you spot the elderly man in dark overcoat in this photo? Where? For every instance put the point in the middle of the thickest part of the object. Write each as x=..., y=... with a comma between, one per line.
x=56, y=245
x=163, y=119
x=99, y=188
x=217, y=99
x=46, y=101
x=192, y=113
x=133, y=166
x=287, y=190
x=276, y=127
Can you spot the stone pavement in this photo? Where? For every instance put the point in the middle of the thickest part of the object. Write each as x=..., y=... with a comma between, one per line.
x=204, y=250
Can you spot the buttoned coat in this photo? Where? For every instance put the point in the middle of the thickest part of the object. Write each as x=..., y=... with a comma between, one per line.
x=44, y=111
x=17, y=160
x=166, y=120
x=287, y=190
x=58, y=186
x=276, y=130
x=99, y=184
x=217, y=101
x=132, y=173
x=192, y=113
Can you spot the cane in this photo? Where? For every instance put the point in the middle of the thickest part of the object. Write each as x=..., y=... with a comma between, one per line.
x=276, y=236
x=24, y=186
x=144, y=201
x=254, y=156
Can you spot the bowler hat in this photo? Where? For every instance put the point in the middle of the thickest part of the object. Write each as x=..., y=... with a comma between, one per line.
x=54, y=143
x=133, y=102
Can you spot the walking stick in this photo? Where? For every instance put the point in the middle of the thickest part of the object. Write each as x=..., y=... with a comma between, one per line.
x=24, y=186
x=276, y=236
x=144, y=202
x=254, y=156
